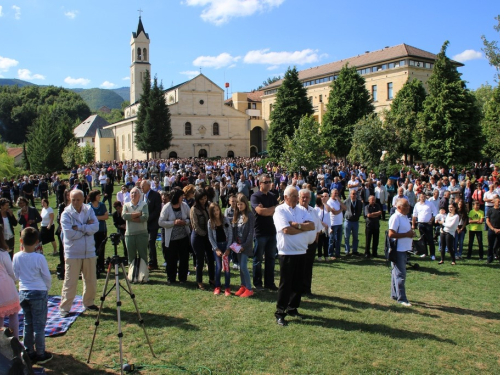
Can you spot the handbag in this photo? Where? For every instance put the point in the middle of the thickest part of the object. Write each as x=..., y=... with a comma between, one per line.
x=391, y=247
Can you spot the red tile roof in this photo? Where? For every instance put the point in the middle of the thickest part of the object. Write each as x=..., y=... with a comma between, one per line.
x=14, y=151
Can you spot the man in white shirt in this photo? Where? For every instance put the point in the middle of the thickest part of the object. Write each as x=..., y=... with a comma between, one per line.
x=337, y=207
x=423, y=217
x=400, y=230
x=292, y=224
x=353, y=184
x=488, y=198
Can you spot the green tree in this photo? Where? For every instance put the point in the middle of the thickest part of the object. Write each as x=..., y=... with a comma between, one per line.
x=47, y=137
x=403, y=116
x=483, y=94
x=348, y=102
x=141, y=131
x=492, y=50
x=448, y=127
x=268, y=81
x=155, y=128
x=71, y=154
x=305, y=148
x=87, y=154
x=290, y=106
x=490, y=126
x=7, y=167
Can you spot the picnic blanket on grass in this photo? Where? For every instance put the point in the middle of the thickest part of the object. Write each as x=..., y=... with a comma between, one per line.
x=55, y=324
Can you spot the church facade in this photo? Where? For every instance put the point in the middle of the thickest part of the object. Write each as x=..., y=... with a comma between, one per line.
x=202, y=124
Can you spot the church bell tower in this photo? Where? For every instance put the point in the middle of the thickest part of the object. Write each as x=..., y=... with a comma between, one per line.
x=140, y=61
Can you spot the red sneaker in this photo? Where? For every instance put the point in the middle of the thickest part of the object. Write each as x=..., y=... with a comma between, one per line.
x=248, y=293
x=217, y=290
x=227, y=292
x=240, y=291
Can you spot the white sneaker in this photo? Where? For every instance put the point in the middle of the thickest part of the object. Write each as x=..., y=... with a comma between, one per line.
x=406, y=304
x=423, y=256
x=433, y=257
x=235, y=266
x=164, y=264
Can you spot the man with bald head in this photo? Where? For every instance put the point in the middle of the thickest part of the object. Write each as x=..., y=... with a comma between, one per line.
x=78, y=225
x=153, y=199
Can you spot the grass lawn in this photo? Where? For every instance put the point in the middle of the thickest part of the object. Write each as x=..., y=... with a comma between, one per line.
x=352, y=326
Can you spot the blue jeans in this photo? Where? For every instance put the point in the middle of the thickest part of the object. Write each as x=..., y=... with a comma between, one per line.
x=218, y=266
x=398, y=278
x=351, y=227
x=264, y=245
x=335, y=240
x=34, y=304
x=459, y=243
x=244, y=274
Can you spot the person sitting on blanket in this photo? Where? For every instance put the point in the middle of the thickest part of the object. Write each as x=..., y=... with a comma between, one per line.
x=32, y=271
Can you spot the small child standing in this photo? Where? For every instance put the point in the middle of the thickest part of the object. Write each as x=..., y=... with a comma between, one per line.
x=32, y=271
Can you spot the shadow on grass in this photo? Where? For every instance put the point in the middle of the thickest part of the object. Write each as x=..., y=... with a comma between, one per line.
x=150, y=320
x=396, y=333
x=67, y=364
x=357, y=305
x=434, y=271
x=460, y=311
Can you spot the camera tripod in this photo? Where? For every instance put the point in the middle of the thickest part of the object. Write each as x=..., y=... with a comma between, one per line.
x=118, y=262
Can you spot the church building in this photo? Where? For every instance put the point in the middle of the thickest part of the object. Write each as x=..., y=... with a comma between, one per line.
x=202, y=124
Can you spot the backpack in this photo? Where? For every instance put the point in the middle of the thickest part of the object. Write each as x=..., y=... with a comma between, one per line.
x=138, y=271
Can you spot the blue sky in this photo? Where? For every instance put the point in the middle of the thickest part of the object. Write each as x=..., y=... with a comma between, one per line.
x=86, y=43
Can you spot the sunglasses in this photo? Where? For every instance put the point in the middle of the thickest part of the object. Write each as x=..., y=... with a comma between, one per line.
x=266, y=182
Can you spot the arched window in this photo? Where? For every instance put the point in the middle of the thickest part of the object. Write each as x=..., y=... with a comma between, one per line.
x=145, y=54
x=123, y=142
x=215, y=129
x=139, y=56
x=230, y=154
x=187, y=128
x=172, y=154
x=202, y=153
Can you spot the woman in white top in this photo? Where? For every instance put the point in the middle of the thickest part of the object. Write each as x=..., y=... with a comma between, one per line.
x=123, y=195
x=448, y=233
x=47, y=231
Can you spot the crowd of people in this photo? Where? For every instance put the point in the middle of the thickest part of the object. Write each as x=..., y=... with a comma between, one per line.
x=222, y=213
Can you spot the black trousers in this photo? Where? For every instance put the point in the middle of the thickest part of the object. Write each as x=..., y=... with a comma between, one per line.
x=177, y=251
x=493, y=244
x=323, y=240
x=308, y=268
x=11, y=243
x=447, y=241
x=152, y=235
x=202, y=248
x=291, y=279
x=426, y=231
x=372, y=236
x=479, y=235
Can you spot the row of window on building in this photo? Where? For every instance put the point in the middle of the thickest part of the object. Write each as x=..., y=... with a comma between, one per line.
x=371, y=69
x=188, y=129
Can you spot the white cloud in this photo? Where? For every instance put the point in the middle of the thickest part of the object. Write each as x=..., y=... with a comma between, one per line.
x=224, y=59
x=126, y=79
x=71, y=14
x=25, y=74
x=6, y=63
x=1, y=14
x=468, y=54
x=274, y=59
x=191, y=73
x=76, y=81
x=219, y=12
x=107, y=85
x=17, y=10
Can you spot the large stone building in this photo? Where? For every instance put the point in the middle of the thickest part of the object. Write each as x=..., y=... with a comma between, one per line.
x=385, y=72
x=202, y=125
